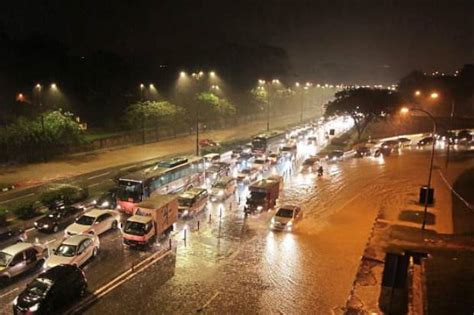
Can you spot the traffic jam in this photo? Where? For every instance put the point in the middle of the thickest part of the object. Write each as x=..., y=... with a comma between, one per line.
x=54, y=267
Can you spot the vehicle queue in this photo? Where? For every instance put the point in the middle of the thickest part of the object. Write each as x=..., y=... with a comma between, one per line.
x=152, y=200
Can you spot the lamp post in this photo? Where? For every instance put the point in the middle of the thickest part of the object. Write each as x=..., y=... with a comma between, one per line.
x=405, y=110
x=268, y=87
x=453, y=104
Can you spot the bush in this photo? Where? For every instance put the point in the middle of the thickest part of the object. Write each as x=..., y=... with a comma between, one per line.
x=3, y=216
x=68, y=193
x=24, y=210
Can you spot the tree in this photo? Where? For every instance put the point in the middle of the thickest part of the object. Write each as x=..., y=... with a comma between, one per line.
x=142, y=114
x=364, y=105
x=213, y=107
x=26, y=140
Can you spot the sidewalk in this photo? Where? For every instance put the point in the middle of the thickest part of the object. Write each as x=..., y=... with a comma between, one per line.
x=74, y=165
x=448, y=273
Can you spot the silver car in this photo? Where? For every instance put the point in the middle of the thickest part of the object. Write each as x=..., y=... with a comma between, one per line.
x=74, y=250
x=19, y=258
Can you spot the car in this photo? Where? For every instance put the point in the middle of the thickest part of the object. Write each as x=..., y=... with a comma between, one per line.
x=52, y=291
x=245, y=158
x=362, y=151
x=217, y=170
x=247, y=175
x=404, y=141
x=222, y=189
x=261, y=163
x=57, y=219
x=207, y=143
x=95, y=221
x=107, y=200
x=286, y=217
x=310, y=164
x=74, y=250
x=289, y=150
x=425, y=141
x=274, y=158
x=464, y=136
x=211, y=158
x=312, y=140
x=390, y=144
x=335, y=155
x=20, y=258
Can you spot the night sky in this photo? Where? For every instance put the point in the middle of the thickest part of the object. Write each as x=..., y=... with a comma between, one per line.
x=349, y=39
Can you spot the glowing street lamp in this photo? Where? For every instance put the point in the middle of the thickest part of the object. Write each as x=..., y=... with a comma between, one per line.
x=182, y=74
x=151, y=86
x=54, y=86
x=404, y=111
x=212, y=74
x=417, y=93
x=434, y=95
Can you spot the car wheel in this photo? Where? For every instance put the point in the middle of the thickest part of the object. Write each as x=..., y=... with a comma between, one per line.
x=55, y=229
x=114, y=225
x=94, y=252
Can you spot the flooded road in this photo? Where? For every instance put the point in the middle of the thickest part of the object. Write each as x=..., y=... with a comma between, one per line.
x=238, y=265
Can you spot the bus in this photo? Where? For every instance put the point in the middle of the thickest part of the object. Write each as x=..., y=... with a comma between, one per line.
x=167, y=176
x=268, y=141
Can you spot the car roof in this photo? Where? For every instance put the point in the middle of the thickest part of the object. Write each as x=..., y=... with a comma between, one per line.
x=95, y=212
x=76, y=239
x=16, y=248
x=58, y=272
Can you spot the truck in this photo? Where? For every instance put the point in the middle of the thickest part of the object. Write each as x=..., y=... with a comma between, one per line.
x=263, y=194
x=150, y=220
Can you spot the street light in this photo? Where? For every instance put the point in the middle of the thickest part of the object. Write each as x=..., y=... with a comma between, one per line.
x=54, y=86
x=417, y=93
x=268, y=85
x=406, y=110
x=434, y=95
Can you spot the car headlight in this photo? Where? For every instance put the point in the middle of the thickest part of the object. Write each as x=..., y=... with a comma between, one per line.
x=289, y=224
x=119, y=207
x=15, y=301
x=46, y=226
x=220, y=193
x=34, y=308
x=185, y=212
x=36, y=223
x=105, y=204
x=259, y=208
x=94, y=202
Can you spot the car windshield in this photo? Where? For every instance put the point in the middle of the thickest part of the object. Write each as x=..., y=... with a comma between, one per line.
x=259, y=161
x=185, y=202
x=309, y=162
x=4, y=259
x=85, y=220
x=134, y=228
x=286, y=213
x=39, y=287
x=255, y=195
x=66, y=250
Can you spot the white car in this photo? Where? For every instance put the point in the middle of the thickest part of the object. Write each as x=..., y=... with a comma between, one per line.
x=94, y=222
x=286, y=218
x=74, y=250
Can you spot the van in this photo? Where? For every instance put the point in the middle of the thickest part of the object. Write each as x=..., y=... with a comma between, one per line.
x=223, y=188
x=192, y=201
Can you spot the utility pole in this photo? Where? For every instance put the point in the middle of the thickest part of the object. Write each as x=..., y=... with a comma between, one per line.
x=453, y=104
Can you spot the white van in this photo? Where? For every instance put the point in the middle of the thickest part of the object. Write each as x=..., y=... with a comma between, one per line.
x=223, y=188
x=192, y=201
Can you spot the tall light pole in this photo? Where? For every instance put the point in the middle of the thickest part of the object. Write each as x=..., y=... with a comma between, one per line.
x=453, y=104
x=38, y=89
x=267, y=86
x=405, y=110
